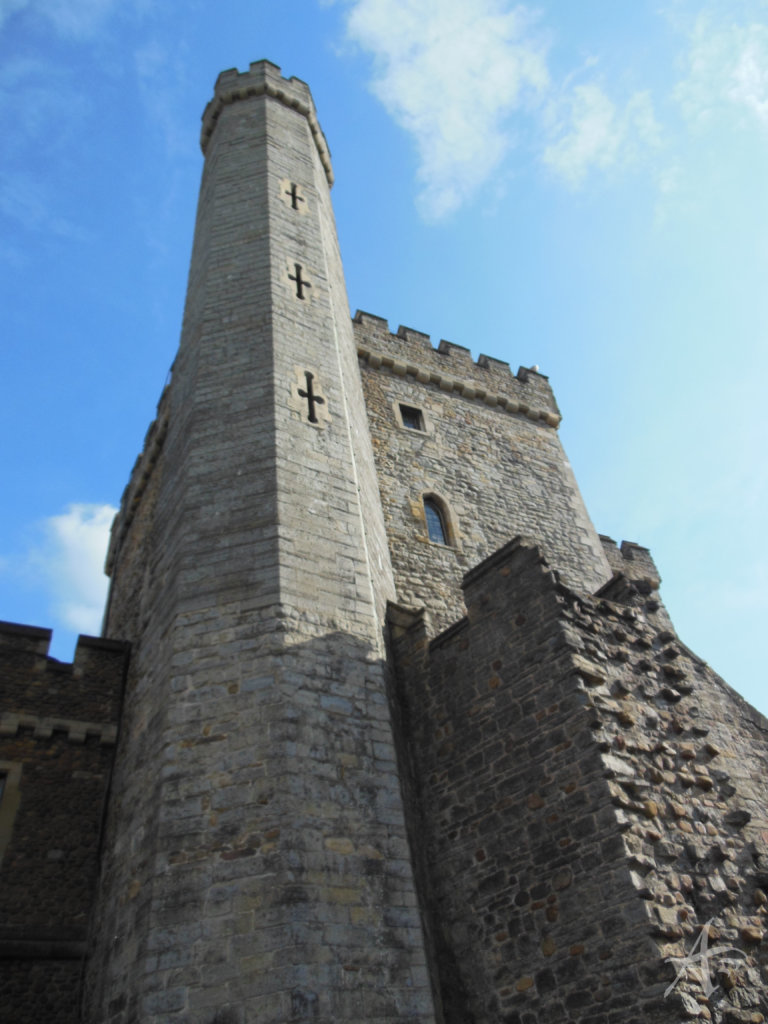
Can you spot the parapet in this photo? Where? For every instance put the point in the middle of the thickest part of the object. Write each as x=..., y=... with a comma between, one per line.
x=264, y=78
x=451, y=368
x=632, y=561
x=25, y=639
x=137, y=484
x=42, y=692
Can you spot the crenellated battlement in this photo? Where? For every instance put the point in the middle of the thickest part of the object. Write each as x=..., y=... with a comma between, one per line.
x=452, y=368
x=80, y=697
x=139, y=480
x=43, y=728
x=264, y=78
x=631, y=560
x=29, y=640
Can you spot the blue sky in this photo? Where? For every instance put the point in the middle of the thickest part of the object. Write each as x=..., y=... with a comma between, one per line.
x=578, y=186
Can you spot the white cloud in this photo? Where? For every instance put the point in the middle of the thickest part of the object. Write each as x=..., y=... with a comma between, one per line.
x=592, y=132
x=454, y=75
x=450, y=73
x=750, y=75
x=72, y=562
x=727, y=68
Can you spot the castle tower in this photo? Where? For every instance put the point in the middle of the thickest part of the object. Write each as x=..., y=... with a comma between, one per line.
x=255, y=865
x=402, y=738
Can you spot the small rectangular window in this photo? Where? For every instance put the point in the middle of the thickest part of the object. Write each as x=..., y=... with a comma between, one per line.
x=412, y=418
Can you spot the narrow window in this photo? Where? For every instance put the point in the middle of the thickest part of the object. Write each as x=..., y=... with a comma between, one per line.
x=435, y=522
x=411, y=417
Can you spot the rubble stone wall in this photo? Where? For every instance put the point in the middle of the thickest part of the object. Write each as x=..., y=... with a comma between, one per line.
x=590, y=799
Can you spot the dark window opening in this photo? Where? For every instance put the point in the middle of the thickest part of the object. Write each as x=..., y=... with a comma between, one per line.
x=412, y=418
x=435, y=518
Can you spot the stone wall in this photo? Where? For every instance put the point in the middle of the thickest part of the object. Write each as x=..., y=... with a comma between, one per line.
x=488, y=451
x=589, y=796
x=58, y=724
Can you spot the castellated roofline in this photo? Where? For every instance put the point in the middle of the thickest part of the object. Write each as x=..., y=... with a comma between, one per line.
x=36, y=640
x=451, y=368
x=137, y=484
x=264, y=78
x=77, y=699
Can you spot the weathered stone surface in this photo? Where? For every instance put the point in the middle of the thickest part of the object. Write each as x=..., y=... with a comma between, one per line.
x=498, y=469
x=549, y=778
x=256, y=856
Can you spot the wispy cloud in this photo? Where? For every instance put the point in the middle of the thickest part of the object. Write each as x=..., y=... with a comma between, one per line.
x=591, y=132
x=26, y=202
x=451, y=73
x=45, y=108
x=42, y=103
x=726, y=71
x=72, y=20
x=71, y=559
x=750, y=76
x=162, y=76
x=466, y=80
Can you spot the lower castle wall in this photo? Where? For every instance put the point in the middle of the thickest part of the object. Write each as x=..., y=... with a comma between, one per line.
x=57, y=730
x=528, y=886
x=590, y=796
x=50, y=864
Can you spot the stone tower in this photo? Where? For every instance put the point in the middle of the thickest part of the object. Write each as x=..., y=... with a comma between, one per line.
x=256, y=865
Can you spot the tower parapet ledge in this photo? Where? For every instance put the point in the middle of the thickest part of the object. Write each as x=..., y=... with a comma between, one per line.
x=631, y=560
x=264, y=77
x=451, y=368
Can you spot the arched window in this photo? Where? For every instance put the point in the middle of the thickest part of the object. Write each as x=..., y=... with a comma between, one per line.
x=437, y=529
